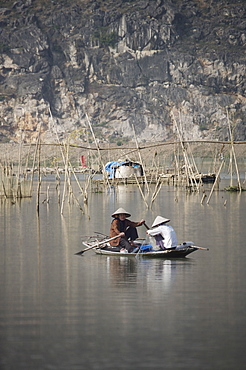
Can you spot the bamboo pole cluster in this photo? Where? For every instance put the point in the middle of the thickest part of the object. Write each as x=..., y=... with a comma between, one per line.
x=173, y=162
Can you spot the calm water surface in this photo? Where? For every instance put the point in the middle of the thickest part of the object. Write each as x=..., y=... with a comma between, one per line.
x=62, y=311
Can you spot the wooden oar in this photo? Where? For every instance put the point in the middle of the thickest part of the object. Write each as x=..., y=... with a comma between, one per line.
x=97, y=232
x=194, y=246
x=97, y=244
x=145, y=241
x=147, y=227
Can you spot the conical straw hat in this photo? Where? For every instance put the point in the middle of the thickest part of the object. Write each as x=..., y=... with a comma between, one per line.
x=159, y=220
x=121, y=210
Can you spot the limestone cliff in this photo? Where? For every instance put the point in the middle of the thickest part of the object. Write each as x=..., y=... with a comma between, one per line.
x=122, y=64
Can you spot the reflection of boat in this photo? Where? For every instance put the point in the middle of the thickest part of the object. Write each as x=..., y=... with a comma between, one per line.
x=180, y=251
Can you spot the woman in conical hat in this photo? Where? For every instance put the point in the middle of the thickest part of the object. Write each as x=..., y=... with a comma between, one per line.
x=125, y=228
x=121, y=211
x=159, y=220
x=164, y=234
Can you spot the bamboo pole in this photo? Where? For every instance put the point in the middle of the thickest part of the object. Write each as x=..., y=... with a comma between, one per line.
x=47, y=194
x=19, y=161
x=215, y=182
x=177, y=164
x=191, y=175
x=141, y=192
x=157, y=190
x=76, y=200
x=39, y=176
x=105, y=176
x=33, y=164
x=27, y=158
x=58, y=183
x=4, y=190
x=190, y=178
x=71, y=192
x=80, y=187
x=195, y=166
x=182, y=147
x=233, y=152
x=203, y=197
x=230, y=169
x=87, y=184
x=140, y=159
x=65, y=180
x=155, y=145
x=192, y=158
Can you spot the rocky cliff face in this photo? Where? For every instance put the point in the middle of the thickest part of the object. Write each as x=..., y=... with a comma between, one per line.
x=163, y=67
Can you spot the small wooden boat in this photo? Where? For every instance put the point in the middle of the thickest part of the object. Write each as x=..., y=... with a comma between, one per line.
x=146, y=250
x=206, y=178
x=168, y=253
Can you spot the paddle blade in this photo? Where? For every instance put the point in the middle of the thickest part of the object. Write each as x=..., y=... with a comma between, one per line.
x=79, y=253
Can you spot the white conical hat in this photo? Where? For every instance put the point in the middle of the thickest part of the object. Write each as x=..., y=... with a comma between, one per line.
x=159, y=220
x=121, y=210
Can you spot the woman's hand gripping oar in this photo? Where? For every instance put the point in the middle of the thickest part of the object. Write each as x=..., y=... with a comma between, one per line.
x=97, y=244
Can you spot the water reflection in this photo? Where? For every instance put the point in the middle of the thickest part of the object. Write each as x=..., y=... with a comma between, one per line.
x=154, y=274
x=61, y=311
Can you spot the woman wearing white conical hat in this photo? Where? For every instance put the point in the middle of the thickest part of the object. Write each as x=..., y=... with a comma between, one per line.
x=126, y=230
x=164, y=234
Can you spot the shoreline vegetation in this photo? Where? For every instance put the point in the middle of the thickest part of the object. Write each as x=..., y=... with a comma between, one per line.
x=182, y=163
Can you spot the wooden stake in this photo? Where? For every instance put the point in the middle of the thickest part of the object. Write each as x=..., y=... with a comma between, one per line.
x=203, y=197
x=156, y=193
x=141, y=192
x=233, y=152
x=105, y=175
x=65, y=180
x=39, y=176
x=140, y=158
x=190, y=178
x=216, y=179
x=47, y=194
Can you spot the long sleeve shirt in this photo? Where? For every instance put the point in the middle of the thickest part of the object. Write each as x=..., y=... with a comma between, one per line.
x=118, y=226
x=168, y=234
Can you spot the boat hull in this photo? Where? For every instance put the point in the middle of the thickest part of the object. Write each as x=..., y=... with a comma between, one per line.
x=168, y=253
